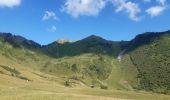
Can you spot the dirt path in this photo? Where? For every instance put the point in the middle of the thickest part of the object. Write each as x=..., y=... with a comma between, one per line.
x=73, y=96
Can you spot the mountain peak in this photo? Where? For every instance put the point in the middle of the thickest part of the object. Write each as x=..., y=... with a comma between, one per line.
x=94, y=38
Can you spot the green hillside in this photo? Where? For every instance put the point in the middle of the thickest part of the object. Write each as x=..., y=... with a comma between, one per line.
x=89, y=61
x=152, y=59
x=91, y=44
x=90, y=66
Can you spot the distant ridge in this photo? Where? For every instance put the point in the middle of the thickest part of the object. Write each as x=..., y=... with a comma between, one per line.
x=18, y=40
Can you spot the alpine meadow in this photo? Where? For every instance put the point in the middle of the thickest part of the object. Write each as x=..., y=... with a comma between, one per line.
x=84, y=50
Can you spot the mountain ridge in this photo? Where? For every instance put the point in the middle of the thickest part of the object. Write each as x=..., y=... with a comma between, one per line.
x=88, y=42
x=8, y=36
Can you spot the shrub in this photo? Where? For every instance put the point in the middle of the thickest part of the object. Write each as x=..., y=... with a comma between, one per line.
x=104, y=86
x=74, y=68
x=67, y=83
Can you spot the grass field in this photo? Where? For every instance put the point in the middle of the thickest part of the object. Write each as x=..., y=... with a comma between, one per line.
x=51, y=90
x=30, y=75
x=40, y=86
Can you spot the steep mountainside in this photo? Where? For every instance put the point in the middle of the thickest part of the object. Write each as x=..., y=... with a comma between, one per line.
x=150, y=53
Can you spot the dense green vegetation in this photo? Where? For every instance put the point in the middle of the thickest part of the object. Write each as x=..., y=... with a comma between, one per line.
x=153, y=63
x=91, y=44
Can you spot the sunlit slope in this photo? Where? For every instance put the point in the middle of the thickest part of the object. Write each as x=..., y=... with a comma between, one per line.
x=85, y=69
x=39, y=86
x=99, y=71
x=88, y=69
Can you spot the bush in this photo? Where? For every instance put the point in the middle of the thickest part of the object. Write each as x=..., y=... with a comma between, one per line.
x=67, y=83
x=92, y=86
x=74, y=68
x=104, y=86
x=23, y=78
x=12, y=70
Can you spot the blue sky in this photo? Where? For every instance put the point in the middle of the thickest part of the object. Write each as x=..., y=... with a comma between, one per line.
x=45, y=21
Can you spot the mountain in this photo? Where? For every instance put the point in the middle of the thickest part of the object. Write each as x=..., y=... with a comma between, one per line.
x=92, y=62
x=18, y=41
x=146, y=38
x=91, y=44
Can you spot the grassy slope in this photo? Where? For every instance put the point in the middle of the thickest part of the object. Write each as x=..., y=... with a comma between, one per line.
x=95, y=70
x=91, y=67
x=123, y=75
x=81, y=71
x=38, y=86
x=48, y=87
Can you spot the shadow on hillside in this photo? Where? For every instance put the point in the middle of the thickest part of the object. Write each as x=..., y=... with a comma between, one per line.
x=97, y=47
x=144, y=39
x=92, y=44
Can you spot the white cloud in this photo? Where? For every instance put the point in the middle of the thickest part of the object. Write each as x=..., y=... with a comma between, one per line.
x=78, y=8
x=162, y=2
x=52, y=29
x=129, y=7
x=156, y=10
x=49, y=15
x=9, y=3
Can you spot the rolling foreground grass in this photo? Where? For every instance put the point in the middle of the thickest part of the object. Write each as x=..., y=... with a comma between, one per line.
x=39, y=86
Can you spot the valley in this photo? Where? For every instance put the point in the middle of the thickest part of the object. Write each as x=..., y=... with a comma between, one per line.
x=89, y=69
